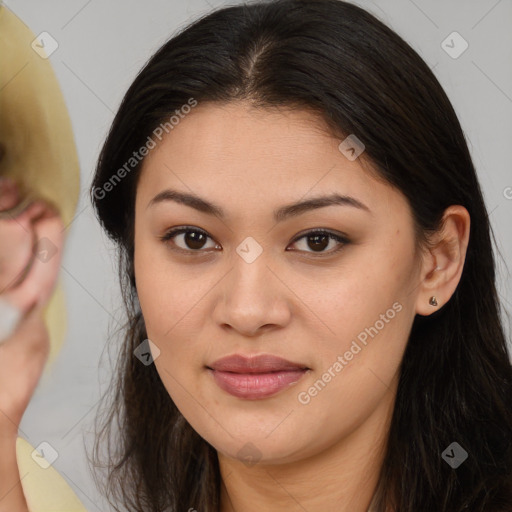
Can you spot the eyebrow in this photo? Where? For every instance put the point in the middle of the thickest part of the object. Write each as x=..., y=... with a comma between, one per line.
x=280, y=214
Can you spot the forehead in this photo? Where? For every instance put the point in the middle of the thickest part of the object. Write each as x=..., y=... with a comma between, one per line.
x=222, y=131
x=243, y=157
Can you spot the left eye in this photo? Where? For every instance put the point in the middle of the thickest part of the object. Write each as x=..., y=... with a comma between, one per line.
x=319, y=240
x=194, y=240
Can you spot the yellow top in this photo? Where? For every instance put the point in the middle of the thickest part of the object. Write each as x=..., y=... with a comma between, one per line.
x=44, y=488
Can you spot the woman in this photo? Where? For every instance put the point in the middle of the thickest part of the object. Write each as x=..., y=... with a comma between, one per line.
x=308, y=274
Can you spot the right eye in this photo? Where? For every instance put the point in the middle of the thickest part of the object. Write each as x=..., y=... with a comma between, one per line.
x=192, y=239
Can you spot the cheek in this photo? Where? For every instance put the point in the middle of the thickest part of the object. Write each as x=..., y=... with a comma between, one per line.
x=364, y=313
x=346, y=304
x=163, y=295
x=174, y=314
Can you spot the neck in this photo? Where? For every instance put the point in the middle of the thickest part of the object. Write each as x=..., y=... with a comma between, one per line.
x=343, y=477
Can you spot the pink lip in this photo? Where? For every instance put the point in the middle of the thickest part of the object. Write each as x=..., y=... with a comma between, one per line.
x=256, y=377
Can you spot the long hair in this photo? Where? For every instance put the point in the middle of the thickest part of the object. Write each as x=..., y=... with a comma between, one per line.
x=337, y=60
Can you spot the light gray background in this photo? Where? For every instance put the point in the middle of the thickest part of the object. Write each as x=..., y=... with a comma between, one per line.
x=103, y=44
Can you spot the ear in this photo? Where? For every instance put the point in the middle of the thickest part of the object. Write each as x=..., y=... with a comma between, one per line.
x=443, y=261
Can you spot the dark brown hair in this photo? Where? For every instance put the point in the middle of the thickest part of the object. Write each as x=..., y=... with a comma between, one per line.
x=337, y=60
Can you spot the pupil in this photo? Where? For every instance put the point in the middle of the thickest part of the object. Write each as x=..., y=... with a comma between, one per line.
x=316, y=238
x=192, y=239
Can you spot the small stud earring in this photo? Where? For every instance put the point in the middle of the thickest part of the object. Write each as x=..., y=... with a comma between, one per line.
x=433, y=301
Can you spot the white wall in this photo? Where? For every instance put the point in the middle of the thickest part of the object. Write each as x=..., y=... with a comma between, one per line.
x=102, y=45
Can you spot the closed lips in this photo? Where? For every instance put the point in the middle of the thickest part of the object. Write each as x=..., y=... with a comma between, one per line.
x=256, y=364
x=257, y=377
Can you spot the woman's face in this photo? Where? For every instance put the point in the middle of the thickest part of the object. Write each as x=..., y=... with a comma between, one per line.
x=249, y=283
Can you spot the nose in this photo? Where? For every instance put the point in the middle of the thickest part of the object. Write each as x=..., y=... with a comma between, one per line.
x=252, y=298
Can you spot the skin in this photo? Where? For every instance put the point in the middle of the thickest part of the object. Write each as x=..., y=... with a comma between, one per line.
x=299, y=304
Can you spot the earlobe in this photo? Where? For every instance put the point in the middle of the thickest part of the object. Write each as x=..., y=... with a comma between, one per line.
x=442, y=269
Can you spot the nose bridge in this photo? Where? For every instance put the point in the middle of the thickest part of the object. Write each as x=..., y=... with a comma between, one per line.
x=249, y=283
x=251, y=295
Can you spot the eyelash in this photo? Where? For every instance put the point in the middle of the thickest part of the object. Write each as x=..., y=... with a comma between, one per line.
x=343, y=240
